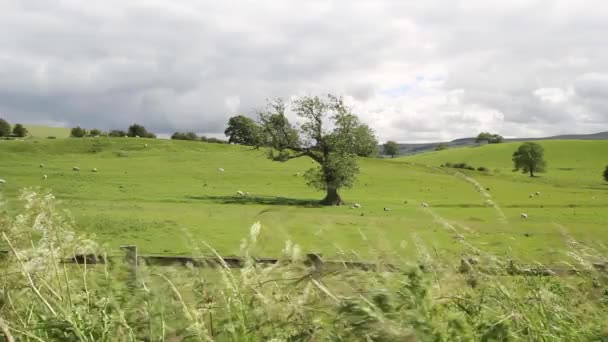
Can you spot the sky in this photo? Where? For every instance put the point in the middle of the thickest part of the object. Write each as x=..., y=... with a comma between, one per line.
x=415, y=71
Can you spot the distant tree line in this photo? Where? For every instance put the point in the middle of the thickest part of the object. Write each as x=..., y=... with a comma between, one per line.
x=135, y=130
x=7, y=132
x=194, y=137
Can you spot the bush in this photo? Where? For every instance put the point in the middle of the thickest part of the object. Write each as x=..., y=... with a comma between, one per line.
x=213, y=140
x=464, y=166
x=184, y=136
x=95, y=132
x=116, y=133
x=78, y=132
x=19, y=131
x=606, y=174
x=483, y=169
x=441, y=147
x=5, y=128
x=51, y=137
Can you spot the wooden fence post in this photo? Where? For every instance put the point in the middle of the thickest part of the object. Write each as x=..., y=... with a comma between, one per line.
x=131, y=260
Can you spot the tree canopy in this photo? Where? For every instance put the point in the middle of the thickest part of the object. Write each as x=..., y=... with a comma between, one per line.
x=391, y=148
x=529, y=158
x=489, y=137
x=329, y=134
x=20, y=131
x=244, y=131
x=137, y=130
x=78, y=132
x=5, y=128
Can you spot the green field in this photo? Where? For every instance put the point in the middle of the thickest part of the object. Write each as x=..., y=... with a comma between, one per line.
x=169, y=197
x=45, y=131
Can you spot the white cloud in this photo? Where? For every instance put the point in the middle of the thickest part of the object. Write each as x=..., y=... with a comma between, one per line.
x=431, y=70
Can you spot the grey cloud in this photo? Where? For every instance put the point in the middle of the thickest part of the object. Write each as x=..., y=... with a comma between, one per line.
x=189, y=65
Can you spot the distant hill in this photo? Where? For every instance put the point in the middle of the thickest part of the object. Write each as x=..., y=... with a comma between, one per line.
x=408, y=149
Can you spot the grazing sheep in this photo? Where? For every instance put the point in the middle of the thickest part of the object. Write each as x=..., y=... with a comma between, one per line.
x=530, y=195
x=145, y=145
x=2, y=181
x=387, y=209
x=220, y=169
x=137, y=136
x=44, y=177
x=240, y=193
x=247, y=194
x=424, y=205
x=357, y=205
x=94, y=169
x=126, y=136
x=537, y=193
x=297, y=174
x=524, y=215
x=41, y=165
x=75, y=168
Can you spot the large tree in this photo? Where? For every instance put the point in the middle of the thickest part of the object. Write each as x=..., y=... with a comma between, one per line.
x=606, y=174
x=391, y=148
x=5, y=128
x=329, y=134
x=529, y=158
x=19, y=130
x=244, y=131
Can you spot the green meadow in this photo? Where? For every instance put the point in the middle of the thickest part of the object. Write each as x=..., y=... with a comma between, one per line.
x=169, y=197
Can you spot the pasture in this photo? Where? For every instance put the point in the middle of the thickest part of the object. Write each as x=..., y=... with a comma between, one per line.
x=169, y=197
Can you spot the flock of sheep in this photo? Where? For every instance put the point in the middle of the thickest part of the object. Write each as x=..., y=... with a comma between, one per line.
x=247, y=194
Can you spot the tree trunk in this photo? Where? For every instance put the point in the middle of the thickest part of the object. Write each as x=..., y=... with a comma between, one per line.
x=332, y=198
x=531, y=172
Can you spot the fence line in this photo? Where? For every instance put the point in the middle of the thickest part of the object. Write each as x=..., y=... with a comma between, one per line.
x=132, y=258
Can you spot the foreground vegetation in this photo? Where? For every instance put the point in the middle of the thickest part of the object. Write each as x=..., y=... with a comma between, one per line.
x=480, y=298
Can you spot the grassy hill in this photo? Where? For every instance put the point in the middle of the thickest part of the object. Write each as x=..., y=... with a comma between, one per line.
x=169, y=197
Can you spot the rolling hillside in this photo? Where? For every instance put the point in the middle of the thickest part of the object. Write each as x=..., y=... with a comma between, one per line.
x=170, y=196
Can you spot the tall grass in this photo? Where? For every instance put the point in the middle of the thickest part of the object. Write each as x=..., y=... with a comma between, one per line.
x=478, y=298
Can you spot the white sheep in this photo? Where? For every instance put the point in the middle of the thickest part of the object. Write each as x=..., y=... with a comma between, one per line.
x=145, y=145
x=387, y=209
x=220, y=169
x=75, y=168
x=537, y=193
x=530, y=195
x=247, y=194
x=41, y=165
x=45, y=177
x=126, y=136
x=2, y=181
x=297, y=174
x=240, y=193
x=424, y=205
x=94, y=169
x=137, y=136
x=357, y=205
x=524, y=215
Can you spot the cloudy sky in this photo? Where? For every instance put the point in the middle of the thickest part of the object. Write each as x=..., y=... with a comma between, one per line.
x=413, y=70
